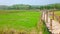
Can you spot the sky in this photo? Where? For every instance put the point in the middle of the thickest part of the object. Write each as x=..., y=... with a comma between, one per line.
x=30, y=2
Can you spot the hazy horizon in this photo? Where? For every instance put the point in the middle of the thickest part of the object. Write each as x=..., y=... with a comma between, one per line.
x=28, y=2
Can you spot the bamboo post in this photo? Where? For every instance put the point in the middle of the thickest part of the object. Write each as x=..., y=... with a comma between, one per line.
x=44, y=16
x=53, y=15
x=59, y=19
x=59, y=32
x=51, y=25
x=47, y=16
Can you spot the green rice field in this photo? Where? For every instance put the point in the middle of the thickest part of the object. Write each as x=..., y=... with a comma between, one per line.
x=21, y=20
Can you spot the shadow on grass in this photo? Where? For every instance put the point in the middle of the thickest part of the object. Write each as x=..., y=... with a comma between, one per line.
x=45, y=30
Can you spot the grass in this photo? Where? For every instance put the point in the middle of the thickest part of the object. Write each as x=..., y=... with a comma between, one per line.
x=43, y=28
x=57, y=13
x=21, y=20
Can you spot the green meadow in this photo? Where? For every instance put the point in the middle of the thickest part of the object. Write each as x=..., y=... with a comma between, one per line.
x=25, y=20
x=19, y=19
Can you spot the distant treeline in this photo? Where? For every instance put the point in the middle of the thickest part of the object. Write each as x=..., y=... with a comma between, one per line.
x=27, y=7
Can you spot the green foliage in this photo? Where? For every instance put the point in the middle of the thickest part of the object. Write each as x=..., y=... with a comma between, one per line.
x=44, y=29
x=51, y=6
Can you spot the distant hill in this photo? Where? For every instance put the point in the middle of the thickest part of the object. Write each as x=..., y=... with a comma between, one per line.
x=26, y=7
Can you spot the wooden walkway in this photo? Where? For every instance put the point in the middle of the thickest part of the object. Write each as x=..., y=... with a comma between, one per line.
x=52, y=25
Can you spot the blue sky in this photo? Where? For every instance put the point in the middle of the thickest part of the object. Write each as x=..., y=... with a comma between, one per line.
x=30, y=2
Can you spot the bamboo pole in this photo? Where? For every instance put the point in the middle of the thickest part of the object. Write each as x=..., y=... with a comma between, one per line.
x=53, y=15
x=59, y=19
x=47, y=16
x=51, y=25
x=44, y=16
x=59, y=32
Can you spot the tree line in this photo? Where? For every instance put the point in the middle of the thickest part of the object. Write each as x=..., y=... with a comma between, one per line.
x=27, y=7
